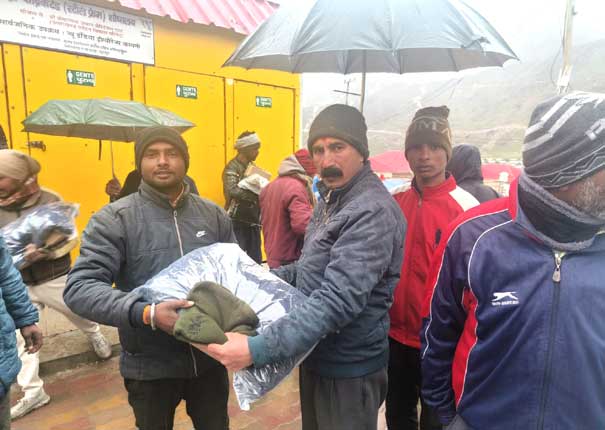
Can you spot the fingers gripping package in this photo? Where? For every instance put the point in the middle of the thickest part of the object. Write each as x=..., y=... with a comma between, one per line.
x=50, y=227
x=268, y=296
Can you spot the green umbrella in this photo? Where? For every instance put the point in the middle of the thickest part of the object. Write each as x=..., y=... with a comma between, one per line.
x=100, y=119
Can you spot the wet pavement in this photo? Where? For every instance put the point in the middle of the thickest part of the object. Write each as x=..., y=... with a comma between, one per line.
x=92, y=397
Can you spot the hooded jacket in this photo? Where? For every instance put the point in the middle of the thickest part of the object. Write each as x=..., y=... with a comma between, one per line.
x=128, y=242
x=348, y=269
x=514, y=332
x=428, y=215
x=286, y=209
x=16, y=311
x=465, y=166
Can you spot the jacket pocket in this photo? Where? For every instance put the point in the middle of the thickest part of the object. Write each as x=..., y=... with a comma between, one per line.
x=129, y=339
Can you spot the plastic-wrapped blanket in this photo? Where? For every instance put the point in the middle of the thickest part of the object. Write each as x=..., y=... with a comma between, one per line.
x=54, y=220
x=270, y=297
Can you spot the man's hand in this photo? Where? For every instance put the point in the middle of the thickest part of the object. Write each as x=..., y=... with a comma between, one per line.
x=166, y=314
x=113, y=188
x=33, y=338
x=233, y=354
x=33, y=253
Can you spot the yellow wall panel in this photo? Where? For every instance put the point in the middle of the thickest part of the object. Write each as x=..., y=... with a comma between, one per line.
x=16, y=97
x=206, y=141
x=274, y=125
x=205, y=49
x=71, y=166
x=3, y=98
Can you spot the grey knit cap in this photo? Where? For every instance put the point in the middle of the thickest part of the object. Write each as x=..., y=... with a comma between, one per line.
x=342, y=122
x=565, y=139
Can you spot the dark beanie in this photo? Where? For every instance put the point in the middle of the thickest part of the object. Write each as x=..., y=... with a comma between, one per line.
x=430, y=125
x=565, y=139
x=159, y=134
x=342, y=122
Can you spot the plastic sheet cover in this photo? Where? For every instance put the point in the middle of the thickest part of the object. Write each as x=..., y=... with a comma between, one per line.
x=270, y=297
x=37, y=226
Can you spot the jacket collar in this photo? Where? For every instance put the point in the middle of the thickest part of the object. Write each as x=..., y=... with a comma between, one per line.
x=330, y=196
x=437, y=191
x=161, y=199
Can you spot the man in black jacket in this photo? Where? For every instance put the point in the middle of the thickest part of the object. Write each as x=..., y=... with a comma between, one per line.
x=465, y=166
x=130, y=241
x=349, y=267
x=242, y=205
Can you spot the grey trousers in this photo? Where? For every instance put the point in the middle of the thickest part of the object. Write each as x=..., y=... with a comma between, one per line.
x=341, y=403
x=5, y=412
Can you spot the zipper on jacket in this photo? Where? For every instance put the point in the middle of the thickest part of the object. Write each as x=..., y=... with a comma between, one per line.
x=178, y=235
x=556, y=277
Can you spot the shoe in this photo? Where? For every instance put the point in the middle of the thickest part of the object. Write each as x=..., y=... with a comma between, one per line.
x=100, y=345
x=26, y=405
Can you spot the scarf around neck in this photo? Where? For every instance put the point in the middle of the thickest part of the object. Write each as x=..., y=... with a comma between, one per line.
x=559, y=225
x=28, y=189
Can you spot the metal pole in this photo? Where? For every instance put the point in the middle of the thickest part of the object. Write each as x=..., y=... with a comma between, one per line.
x=363, y=91
x=565, y=73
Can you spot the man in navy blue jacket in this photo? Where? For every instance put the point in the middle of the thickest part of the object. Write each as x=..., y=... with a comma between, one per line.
x=514, y=336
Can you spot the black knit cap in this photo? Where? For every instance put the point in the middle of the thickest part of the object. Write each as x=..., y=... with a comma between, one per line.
x=159, y=134
x=341, y=122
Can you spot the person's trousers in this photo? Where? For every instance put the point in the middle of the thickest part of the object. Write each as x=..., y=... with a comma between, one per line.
x=404, y=391
x=48, y=294
x=5, y=411
x=341, y=403
x=154, y=402
x=248, y=238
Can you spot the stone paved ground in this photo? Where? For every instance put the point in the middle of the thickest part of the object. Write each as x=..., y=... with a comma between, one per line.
x=92, y=397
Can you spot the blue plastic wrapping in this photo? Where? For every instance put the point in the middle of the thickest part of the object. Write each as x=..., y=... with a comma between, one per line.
x=37, y=226
x=270, y=297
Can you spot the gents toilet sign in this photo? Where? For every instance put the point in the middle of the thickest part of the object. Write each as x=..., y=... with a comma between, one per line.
x=78, y=77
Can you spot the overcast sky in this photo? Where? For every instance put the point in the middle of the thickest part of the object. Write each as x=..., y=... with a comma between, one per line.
x=529, y=27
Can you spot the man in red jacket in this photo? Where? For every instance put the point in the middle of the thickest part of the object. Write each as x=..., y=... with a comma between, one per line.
x=286, y=205
x=431, y=203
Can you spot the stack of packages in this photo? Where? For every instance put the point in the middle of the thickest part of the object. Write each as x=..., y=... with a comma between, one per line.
x=232, y=293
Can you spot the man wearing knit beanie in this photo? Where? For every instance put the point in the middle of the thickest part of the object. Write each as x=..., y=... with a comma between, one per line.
x=518, y=287
x=348, y=268
x=430, y=204
x=128, y=242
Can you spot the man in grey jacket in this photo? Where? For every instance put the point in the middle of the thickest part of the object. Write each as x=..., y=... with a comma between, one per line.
x=349, y=267
x=128, y=242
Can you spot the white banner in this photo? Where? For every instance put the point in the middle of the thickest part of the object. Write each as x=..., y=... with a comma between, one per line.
x=75, y=27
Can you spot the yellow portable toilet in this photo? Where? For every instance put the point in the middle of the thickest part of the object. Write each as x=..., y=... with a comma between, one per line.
x=169, y=56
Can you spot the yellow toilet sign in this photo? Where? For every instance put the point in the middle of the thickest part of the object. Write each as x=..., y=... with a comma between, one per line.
x=265, y=102
x=186, y=92
x=78, y=77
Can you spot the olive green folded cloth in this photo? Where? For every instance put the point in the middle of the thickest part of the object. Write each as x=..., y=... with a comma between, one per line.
x=216, y=311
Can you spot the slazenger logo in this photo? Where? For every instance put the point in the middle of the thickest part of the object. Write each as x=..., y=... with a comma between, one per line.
x=505, y=298
x=200, y=233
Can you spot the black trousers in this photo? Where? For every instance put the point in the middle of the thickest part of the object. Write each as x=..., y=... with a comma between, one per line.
x=341, y=403
x=154, y=402
x=404, y=391
x=248, y=238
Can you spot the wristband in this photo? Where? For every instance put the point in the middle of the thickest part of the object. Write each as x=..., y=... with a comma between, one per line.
x=152, y=317
x=146, y=315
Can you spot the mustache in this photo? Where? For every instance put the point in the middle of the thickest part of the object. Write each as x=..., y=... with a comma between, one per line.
x=331, y=172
